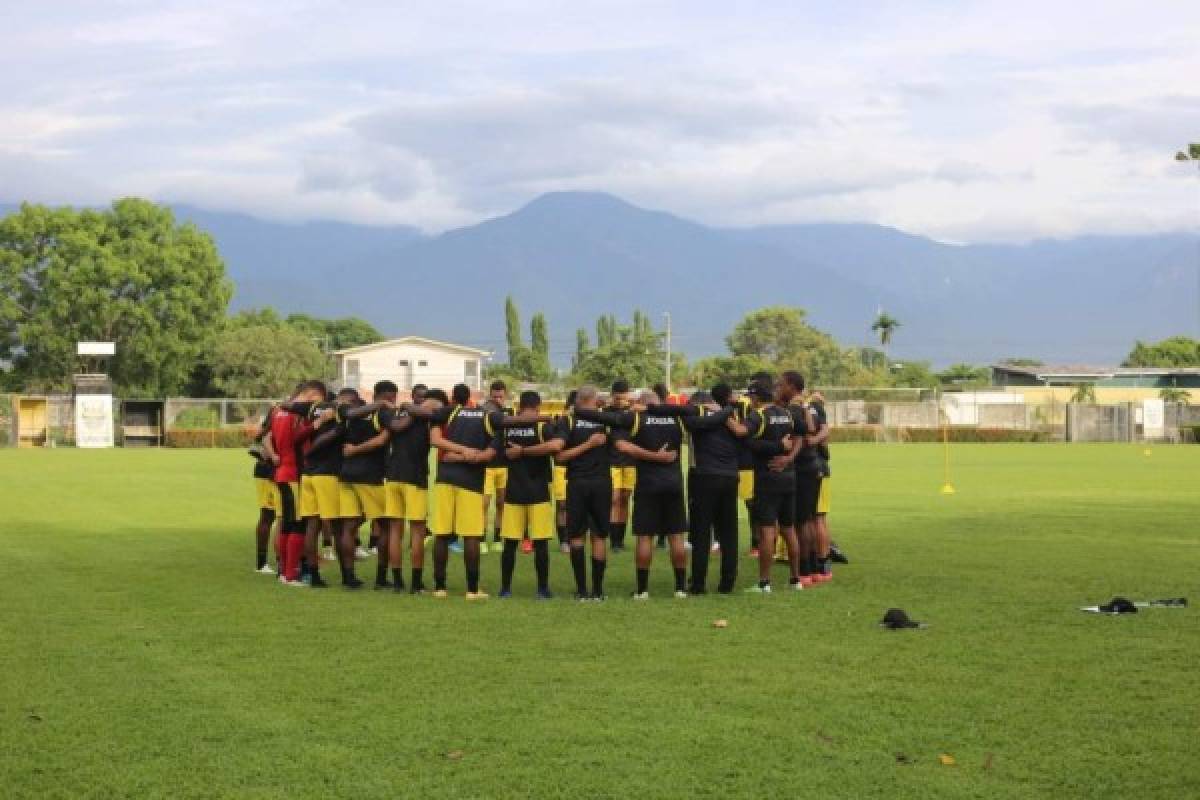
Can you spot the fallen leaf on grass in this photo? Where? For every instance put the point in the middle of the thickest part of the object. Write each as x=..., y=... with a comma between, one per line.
x=454, y=755
x=946, y=760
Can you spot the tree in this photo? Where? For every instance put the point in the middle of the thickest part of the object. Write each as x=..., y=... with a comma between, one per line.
x=780, y=338
x=915, y=374
x=885, y=325
x=335, y=334
x=638, y=360
x=127, y=274
x=733, y=370
x=539, y=362
x=965, y=375
x=582, y=346
x=519, y=357
x=1177, y=351
x=1084, y=393
x=263, y=360
x=606, y=330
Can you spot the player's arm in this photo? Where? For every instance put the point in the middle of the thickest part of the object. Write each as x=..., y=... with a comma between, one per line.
x=374, y=443
x=327, y=438
x=707, y=422
x=455, y=451
x=367, y=410
x=661, y=456
x=613, y=419
x=546, y=448
x=268, y=444
x=293, y=407
x=822, y=429
x=597, y=439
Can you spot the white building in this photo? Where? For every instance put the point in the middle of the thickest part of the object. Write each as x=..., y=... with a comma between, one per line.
x=407, y=361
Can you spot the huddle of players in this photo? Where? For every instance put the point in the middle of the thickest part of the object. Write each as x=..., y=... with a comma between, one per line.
x=348, y=461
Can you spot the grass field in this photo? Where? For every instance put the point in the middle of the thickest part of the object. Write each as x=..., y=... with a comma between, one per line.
x=141, y=656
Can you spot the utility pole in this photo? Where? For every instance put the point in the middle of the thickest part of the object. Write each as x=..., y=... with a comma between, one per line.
x=667, y=314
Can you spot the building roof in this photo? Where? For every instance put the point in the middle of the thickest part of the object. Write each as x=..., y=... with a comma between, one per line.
x=458, y=348
x=1094, y=373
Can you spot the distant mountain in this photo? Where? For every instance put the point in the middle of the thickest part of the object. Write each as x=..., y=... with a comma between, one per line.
x=576, y=255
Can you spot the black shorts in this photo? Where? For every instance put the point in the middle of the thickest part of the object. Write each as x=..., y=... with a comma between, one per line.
x=772, y=507
x=658, y=513
x=588, y=506
x=808, y=489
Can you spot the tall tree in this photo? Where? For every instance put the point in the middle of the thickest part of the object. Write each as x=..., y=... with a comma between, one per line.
x=965, y=376
x=885, y=325
x=335, y=334
x=127, y=274
x=582, y=346
x=263, y=360
x=606, y=330
x=641, y=362
x=1177, y=351
x=519, y=357
x=539, y=337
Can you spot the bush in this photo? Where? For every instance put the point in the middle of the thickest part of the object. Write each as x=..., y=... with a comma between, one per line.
x=854, y=433
x=197, y=418
x=221, y=437
x=1195, y=429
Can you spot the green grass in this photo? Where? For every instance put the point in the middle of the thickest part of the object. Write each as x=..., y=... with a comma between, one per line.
x=141, y=657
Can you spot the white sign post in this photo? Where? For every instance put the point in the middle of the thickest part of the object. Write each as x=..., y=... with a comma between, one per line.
x=1154, y=418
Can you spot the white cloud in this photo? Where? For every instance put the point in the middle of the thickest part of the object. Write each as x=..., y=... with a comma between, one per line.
x=985, y=120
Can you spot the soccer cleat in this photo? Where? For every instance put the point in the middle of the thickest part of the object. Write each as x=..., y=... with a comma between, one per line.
x=265, y=569
x=328, y=555
x=440, y=594
x=398, y=588
x=599, y=598
x=715, y=548
x=823, y=577
x=526, y=546
x=836, y=555
x=581, y=598
x=795, y=585
x=360, y=554
x=680, y=594
x=383, y=585
x=416, y=590
x=481, y=595
x=352, y=583
x=758, y=589
x=640, y=596
x=300, y=584
x=564, y=548
x=505, y=594
x=545, y=594
x=318, y=583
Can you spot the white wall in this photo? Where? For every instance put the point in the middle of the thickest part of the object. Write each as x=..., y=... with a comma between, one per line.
x=427, y=364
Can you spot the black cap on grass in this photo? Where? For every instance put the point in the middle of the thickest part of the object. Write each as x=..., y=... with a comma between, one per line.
x=897, y=618
x=1119, y=605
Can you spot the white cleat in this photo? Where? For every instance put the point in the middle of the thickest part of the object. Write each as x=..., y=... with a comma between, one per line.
x=640, y=596
x=680, y=595
x=265, y=569
x=293, y=584
x=716, y=548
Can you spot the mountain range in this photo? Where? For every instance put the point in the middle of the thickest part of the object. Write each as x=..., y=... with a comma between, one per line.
x=577, y=255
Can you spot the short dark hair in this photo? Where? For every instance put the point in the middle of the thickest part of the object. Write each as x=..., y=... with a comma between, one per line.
x=530, y=399
x=318, y=386
x=571, y=395
x=721, y=394
x=699, y=396
x=439, y=395
x=660, y=389
x=499, y=385
x=620, y=386
x=348, y=392
x=461, y=394
x=386, y=387
x=794, y=379
x=420, y=390
x=762, y=376
x=420, y=387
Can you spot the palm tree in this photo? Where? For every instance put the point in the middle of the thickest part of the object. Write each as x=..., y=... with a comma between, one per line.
x=885, y=325
x=1173, y=394
x=1085, y=393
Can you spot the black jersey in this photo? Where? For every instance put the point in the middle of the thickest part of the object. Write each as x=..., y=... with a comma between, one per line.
x=495, y=409
x=767, y=428
x=324, y=455
x=595, y=463
x=470, y=427
x=652, y=431
x=368, y=467
x=745, y=457
x=808, y=459
x=408, y=455
x=529, y=476
x=715, y=449
x=616, y=457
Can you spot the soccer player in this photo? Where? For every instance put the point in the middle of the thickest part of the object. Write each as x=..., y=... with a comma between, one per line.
x=559, y=484
x=319, y=499
x=268, y=496
x=768, y=432
x=288, y=434
x=652, y=435
x=466, y=440
x=529, y=448
x=824, y=570
x=496, y=478
x=713, y=486
x=588, y=490
x=805, y=463
x=746, y=460
x=364, y=463
x=624, y=474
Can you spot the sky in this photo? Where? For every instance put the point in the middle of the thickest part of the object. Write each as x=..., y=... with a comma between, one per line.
x=964, y=121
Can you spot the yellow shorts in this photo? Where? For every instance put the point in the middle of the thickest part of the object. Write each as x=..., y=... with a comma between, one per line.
x=559, y=485
x=495, y=478
x=823, y=497
x=360, y=500
x=268, y=494
x=457, y=510
x=320, y=496
x=537, y=518
x=624, y=478
x=745, y=484
x=405, y=501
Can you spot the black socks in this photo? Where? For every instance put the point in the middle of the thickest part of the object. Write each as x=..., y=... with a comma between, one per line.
x=643, y=579
x=541, y=563
x=508, y=562
x=579, y=567
x=680, y=579
x=598, y=565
